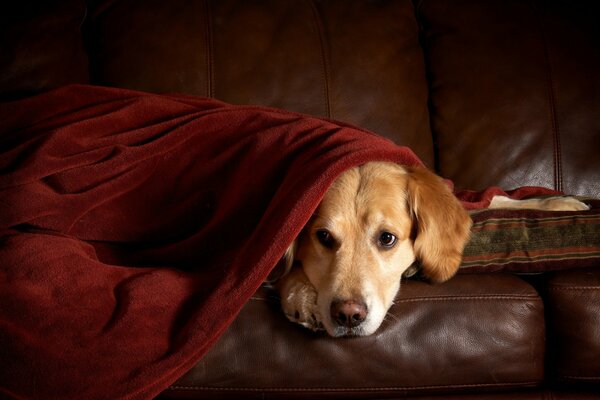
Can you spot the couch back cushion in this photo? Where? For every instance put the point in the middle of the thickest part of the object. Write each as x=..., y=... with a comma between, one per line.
x=358, y=62
x=515, y=92
x=509, y=88
x=41, y=46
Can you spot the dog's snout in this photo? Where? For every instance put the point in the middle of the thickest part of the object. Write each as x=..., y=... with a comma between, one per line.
x=348, y=313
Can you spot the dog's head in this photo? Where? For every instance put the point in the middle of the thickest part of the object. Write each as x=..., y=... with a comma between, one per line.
x=372, y=224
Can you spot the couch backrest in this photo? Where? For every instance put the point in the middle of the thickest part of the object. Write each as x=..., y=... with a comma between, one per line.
x=515, y=91
x=488, y=93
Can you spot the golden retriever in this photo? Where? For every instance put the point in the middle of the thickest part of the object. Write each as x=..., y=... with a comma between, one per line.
x=344, y=269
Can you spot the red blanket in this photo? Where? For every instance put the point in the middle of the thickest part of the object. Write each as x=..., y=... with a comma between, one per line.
x=133, y=227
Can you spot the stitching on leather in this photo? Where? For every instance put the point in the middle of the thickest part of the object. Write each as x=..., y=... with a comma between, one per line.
x=460, y=298
x=209, y=50
x=454, y=298
x=582, y=378
x=450, y=298
x=325, y=60
x=574, y=287
x=552, y=104
x=367, y=389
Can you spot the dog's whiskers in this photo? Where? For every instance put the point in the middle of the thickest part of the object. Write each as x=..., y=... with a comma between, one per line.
x=390, y=316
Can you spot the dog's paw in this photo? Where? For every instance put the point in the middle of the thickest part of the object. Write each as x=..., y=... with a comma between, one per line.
x=299, y=301
x=300, y=306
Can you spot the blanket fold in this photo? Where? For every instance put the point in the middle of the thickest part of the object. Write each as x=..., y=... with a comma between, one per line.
x=133, y=228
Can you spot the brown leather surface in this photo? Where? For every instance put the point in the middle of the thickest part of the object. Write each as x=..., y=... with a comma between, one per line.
x=377, y=75
x=574, y=321
x=508, y=395
x=357, y=62
x=512, y=85
x=40, y=46
x=155, y=46
x=474, y=333
x=513, y=89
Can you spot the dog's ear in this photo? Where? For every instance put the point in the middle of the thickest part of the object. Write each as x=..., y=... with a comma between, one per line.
x=442, y=225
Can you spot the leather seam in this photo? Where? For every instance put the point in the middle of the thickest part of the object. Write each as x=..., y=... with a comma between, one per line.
x=209, y=51
x=349, y=389
x=460, y=298
x=324, y=59
x=449, y=298
x=574, y=288
x=582, y=378
x=558, y=184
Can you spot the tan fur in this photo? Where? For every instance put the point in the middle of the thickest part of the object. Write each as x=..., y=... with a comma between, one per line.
x=415, y=205
x=443, y=225
x=361, y=204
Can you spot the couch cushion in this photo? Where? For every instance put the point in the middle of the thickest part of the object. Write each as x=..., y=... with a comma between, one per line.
x=475, y=332
x=514, y=92
x=41, y=46
x=574, y=321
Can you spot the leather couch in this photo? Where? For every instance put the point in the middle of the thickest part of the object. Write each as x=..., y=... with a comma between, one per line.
x=486, y=93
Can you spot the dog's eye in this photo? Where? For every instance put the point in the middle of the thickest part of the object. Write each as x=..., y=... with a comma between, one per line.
x=387, y=239
x=325, y=238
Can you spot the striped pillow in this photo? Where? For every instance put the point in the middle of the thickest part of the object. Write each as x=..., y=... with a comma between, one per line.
x=531, y=241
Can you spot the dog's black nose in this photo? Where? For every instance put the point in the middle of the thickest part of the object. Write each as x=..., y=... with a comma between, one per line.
x=348, y=313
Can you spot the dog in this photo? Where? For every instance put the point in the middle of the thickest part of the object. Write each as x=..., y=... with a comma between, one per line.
x=376, y=220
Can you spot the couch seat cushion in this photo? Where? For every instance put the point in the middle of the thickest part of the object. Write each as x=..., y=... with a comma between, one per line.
x=574, y=321
x=475, y=332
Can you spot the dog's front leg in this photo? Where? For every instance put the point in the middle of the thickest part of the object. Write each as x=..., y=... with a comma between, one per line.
x=299, y=299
